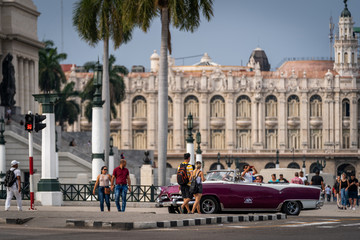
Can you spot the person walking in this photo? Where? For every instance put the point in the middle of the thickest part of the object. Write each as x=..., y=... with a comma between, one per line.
x=353, y=191
x=183, y=176
x=296, y=179
x=199, y=178
x=318, y=180
x=13, y=185
x=328, y=192
x=344, y=186
x=303, y=178
x=103, y=180
x=123, y=184
x=337, y=191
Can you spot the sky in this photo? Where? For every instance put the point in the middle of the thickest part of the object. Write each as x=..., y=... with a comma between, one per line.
x=282, y=28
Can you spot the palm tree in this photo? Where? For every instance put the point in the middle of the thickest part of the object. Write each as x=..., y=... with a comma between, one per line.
x=50, y=73
x=67, y=110
x=117, y=87
x=183, y=15
x=97, y=20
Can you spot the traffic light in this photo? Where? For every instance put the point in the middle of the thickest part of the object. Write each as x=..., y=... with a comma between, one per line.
x=38, y=124
x=29, y=122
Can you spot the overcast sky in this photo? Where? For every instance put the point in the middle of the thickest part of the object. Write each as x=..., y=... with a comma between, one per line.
x=283, y=28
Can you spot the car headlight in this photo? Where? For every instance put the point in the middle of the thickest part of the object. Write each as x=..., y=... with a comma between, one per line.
x=158, y=191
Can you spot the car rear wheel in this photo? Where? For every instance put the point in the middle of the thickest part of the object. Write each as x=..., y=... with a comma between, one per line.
x=292, y=208
x=209, y=205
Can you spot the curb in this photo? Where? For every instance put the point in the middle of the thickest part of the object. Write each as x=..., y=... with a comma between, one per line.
x=176, y=223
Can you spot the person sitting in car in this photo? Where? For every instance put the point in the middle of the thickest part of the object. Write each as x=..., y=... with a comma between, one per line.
x=248, y=173
x=282, y=179
x=259, y=179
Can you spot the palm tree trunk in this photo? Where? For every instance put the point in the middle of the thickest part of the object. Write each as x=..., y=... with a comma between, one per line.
x=163, y=98
x=106, y=98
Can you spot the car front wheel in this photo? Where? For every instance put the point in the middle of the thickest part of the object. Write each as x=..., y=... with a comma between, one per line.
x=292, y=208
x=209, y=205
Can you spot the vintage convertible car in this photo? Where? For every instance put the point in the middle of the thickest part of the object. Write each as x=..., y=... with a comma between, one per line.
x=224, y=190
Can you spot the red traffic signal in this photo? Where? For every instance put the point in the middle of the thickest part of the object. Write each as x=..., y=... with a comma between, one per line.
x=38, y=125
x=29, y=121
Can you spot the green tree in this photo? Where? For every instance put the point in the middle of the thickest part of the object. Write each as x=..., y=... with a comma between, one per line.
x=102, y=20
x=50, y=73
x=117, y=87
x=66, y=108
x=183, y=15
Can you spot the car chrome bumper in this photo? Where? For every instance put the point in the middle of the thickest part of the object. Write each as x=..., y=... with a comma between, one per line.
x=174, y=203
x=319, y=204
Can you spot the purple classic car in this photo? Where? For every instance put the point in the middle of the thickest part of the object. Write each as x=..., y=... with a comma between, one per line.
x=224, y=190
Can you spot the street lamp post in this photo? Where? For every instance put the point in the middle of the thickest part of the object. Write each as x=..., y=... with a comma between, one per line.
x=293, y=152
x=2, y=149
x=321, y=165
x=190, y=139
x=277, y=158
x=97, y=125
x=303, y=166
x=218, y=162
x=229, y=161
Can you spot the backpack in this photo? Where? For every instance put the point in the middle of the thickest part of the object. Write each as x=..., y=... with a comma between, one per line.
x=10, y=178
x=182, y=177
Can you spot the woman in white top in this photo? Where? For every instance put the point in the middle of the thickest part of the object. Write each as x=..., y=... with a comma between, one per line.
x=198, y=175
x=103, y=180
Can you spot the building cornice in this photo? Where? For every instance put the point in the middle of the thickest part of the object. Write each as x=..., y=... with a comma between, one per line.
x=26, y=40
x=22, y=7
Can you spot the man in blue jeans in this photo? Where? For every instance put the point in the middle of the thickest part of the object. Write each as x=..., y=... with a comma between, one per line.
x=123, y=184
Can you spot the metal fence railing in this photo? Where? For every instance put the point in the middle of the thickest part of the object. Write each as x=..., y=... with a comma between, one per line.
x=84, y=192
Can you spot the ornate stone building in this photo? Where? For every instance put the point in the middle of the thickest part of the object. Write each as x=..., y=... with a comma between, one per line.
x=18, y=36
x=309, y=110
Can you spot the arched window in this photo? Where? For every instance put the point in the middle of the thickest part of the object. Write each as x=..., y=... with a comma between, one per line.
x=170, y=107
x=243, y=139
x=217, y=106
x=168, y=165
x=293, y=106
x=271, y=106
x=191, y=106
x=139, y=107
x=346, y=107
x=346, y=58
x=214, y=166
x=315, y=106
x=346, y=138
x=270, y=165
x=139, y=139
x=314, y=168
x=243, y=107
x=217, y=139
x=338, y=58
x=316, y=139
x=271, y=139
x=293, y=165
x=294, y=138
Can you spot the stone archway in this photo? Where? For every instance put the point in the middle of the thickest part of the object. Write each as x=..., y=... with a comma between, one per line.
x=294, y=165
x=313, y=168
x=347, y=168
x=214, y=166
x=270, y=165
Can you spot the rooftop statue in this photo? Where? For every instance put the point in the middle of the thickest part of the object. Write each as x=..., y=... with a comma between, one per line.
x=7, y=86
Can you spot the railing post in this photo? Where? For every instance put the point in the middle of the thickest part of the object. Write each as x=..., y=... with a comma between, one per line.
x=152, y=196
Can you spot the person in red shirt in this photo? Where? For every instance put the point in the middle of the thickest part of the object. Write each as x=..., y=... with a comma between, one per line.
x=123, y=184
x=296, y=179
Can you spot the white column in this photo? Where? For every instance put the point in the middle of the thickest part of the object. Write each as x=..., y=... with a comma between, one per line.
x=199, y=158
x=353, y=122
x=178, y=120
x=204, y=121
x=48, y=158
x=97, y=141
x=190, y=149
x=282, y=121
x=126, y=116
x=229, y=123
x=111, y=164
x=261, y=124
x=151, y=122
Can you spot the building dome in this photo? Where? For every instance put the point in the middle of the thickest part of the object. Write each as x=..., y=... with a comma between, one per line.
x=154, y=56
x=260, y=57
x=206, y=61
x=345, y=12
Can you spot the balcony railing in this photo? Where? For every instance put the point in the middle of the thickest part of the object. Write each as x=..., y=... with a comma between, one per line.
x=84, y=192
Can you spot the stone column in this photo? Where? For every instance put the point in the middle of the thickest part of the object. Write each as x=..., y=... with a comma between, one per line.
x=126, y=116
x=33, y=85
x=146, y=175
x=304, y=121
x=26, y=85
x=282, y=121
x=338, y=121
x=204, y=117
x=20, y=90
x=229, y=123
x=261, y=123
x=48, y=187
x=353, y=122
x=326, y=122
x=254, y=120
x=178, y=121
x=151, y=122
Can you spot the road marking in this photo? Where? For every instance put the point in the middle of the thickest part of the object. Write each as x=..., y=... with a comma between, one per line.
x=238, y=227
x=311, y=224
x=350, y=224
x=327, y=226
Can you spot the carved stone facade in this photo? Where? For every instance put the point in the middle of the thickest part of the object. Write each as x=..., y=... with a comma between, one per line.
x=308, y=110
x=18, y=36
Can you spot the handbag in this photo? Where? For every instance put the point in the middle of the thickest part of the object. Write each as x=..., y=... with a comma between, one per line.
x=194, y=185
x=107, y=191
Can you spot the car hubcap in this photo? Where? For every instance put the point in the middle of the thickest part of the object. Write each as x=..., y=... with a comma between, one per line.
x=208, y=206
x=292, y=207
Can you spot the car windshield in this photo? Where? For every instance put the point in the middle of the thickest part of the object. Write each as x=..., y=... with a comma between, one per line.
x=227, y=176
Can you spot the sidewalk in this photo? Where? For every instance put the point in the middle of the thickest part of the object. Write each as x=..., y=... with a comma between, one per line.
x=86, y=214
